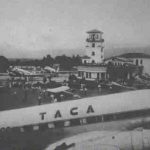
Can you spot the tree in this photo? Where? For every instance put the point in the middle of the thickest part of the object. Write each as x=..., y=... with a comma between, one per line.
x=76, y=60
x=47, y=61
x=4, y=64
x=64, y=61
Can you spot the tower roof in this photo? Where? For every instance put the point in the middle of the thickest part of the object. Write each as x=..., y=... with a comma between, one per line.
x=95, y=31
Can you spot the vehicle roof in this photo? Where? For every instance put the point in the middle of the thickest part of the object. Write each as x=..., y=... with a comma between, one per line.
x=106, y=104
x=58, y=90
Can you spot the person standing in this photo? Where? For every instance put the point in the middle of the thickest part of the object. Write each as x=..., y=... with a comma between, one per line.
x=85, y=91
x=55, y=100
x=39, y=100
x=25, y=94
x=52, y=98
x=39, y=95
x=61, y=97
x=99, y=88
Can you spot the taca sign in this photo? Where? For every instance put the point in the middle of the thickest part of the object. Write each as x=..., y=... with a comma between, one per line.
x=73, y=112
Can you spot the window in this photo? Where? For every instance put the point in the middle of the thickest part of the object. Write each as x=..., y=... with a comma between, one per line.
x=108, y=117
x=84, y=61
x=93, y=53
x=93, y=61
x=51, y=125
x=75, y=122
x=93, y=44
x=82, y=74
x=92, y=119
x=96, y=36
x=21, y=129
x=43, y=126
x=103, y=75
x=67, y=123
x=97, y=75
x=35, y=127
x=28, y=128
x=93, y=36
x=137, y=62
x=101, y=49
x=59, y=124
x=79, y=73
x=141, y=61
x=89, y=74
x=86, y=74
x=83, y=121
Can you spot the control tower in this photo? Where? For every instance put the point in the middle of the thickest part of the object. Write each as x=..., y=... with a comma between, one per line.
x=94, y=48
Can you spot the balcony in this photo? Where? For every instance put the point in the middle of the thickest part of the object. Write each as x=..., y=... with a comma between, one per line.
x=94, y=64
x=95, y=40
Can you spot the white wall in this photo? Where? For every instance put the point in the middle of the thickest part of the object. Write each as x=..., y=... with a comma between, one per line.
x=145, y=64
x=98, y=53
x=87, y=61
x=94, y=75
x=93, y=70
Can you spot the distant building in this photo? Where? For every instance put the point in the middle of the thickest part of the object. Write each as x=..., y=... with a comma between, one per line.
x=120, y=67
x=92, y=67
x=117, y=61
x=92, y=72
x=139, y=59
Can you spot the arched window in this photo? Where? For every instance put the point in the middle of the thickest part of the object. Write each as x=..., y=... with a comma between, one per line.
x=93, y=44
x=93, y=53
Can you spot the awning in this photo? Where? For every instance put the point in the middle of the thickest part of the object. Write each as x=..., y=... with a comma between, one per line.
x=59, y=89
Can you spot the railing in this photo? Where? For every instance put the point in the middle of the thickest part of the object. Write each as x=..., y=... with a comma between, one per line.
x=94, y=64
x=94, y=40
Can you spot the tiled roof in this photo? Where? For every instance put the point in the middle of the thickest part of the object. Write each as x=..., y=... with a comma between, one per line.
x=135, y=55
x=119, y=59
x=123, y=59
x=94, y=31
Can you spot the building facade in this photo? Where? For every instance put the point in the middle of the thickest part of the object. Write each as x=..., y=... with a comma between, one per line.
x=118, y=61
x=139, y=59
x=92, y=73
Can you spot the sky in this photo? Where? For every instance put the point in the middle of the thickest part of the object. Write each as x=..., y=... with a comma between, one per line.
x=34, y=28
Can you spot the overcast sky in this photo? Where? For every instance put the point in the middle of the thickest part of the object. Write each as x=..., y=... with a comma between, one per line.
x=34, y=28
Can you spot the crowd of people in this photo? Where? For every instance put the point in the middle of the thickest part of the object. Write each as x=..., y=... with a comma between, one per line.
x=36, y=87
x=42, y=94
